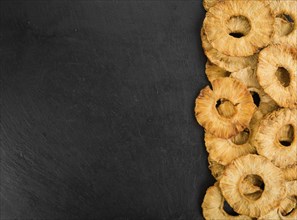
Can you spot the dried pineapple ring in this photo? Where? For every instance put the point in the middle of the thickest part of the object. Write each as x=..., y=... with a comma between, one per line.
x=224, y=90
x=290, y=172
x=213, y=204
x=260, y=22
x=215, y=168
x=214, y=72
x=229, y=63
x=250, y=185
x=269, y=138
x=224, y=151
x=274, y=185
x=277, y=74
x=285, y=8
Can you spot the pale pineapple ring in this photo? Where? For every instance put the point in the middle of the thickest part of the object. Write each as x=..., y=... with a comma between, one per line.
x=225, y=90
x=228, y=63
x=285, y=8
x=277, y=74
x=276, y=137
x=213, y=204
x=224, y=151
x=260, y=22
x=274, y=189
x=214, y=72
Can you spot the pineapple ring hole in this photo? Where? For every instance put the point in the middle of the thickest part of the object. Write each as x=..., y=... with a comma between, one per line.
x=238, y=26
x=256, y=98
x=225, y=108
x=283, y=76
x=226, y=74
x=241, y=138
x=229, y=210
x=291, y=206
x=286, y=135
x=257, y=182
x=288, y=18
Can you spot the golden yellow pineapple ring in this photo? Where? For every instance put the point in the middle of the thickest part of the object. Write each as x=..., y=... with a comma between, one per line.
x=276, y=137
x=235, y=96
x=230, y=42
x=277, y=74
x=271, y=177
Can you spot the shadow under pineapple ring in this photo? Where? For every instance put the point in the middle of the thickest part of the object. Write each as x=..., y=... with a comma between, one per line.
x=259, y=23
x=229, y=118
x=269, y=179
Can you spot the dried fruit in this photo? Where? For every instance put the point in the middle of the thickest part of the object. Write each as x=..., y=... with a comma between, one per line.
x=277, y=74
x=261, y=168
x=275, y=138
x=236, y=95
x=231, y=42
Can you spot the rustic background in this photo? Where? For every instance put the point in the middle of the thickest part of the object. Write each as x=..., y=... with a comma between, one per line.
x=97, y=103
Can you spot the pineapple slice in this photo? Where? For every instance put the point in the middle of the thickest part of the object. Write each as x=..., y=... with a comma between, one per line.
x=224, y=90
x=263, y=170
x=277, y=74
x=255, y=13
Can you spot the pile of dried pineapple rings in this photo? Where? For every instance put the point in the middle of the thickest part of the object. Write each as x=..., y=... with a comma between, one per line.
x=249, y=112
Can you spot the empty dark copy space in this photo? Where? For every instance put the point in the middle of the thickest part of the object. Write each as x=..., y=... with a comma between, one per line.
x=97, y=117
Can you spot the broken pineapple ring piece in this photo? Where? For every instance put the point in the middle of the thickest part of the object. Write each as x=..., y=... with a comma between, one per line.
x=234, y=115
x=271, y=179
